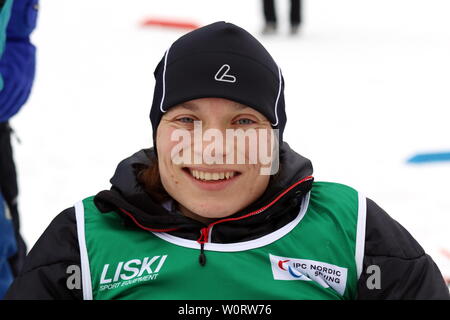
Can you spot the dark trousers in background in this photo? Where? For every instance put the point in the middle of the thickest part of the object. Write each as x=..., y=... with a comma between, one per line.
x=295, y=14
x=9, y=190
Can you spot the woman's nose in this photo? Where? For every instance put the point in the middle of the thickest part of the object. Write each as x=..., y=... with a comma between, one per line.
x=211, y=141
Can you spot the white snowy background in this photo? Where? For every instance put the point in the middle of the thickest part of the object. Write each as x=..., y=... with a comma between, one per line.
x=367, y=86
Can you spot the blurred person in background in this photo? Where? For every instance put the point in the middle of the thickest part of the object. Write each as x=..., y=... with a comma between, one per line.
x=17, y=69
x=270, y=16
x=7, y=239
x=8, y=247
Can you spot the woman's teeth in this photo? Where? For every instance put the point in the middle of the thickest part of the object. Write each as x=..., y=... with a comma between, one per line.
x=208, y=176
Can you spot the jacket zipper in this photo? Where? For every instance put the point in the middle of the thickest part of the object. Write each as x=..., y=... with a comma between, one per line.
x=204, y=232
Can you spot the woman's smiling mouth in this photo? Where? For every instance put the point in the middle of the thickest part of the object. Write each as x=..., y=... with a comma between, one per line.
x=211, y=179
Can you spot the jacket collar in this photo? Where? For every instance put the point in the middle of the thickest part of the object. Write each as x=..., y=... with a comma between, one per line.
x=276, y=207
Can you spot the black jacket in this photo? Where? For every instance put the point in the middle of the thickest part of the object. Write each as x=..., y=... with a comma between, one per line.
x=407, y=272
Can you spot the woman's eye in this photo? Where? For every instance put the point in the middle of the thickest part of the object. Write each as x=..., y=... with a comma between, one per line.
x=186, y=120
x=244, y=121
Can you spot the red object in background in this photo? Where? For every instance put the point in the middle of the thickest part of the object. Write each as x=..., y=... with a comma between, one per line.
x=170, y=23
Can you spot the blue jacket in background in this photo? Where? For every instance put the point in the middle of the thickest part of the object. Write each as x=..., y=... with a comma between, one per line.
x=5, y=12
x=17, y=64
x=7, y=248
x=17, y=67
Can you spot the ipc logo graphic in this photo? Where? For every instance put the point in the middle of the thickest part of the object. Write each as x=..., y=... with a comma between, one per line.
x=289, y=269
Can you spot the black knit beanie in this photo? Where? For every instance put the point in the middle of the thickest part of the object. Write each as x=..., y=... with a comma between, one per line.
x=219, y=60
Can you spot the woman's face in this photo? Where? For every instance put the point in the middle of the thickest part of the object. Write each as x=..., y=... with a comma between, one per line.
x=202, y=188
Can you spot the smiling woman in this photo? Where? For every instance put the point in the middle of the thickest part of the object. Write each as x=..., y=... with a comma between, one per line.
x=187, y=180
x=221, y=192
x=211, y=189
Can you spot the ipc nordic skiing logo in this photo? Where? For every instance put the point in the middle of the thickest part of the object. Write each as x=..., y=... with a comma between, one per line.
x=325, y=274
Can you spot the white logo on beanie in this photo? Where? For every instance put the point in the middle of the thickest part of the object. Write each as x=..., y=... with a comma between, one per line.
x=222, y=74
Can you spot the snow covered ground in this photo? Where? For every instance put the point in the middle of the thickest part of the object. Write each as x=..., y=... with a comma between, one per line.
x=366, y=87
